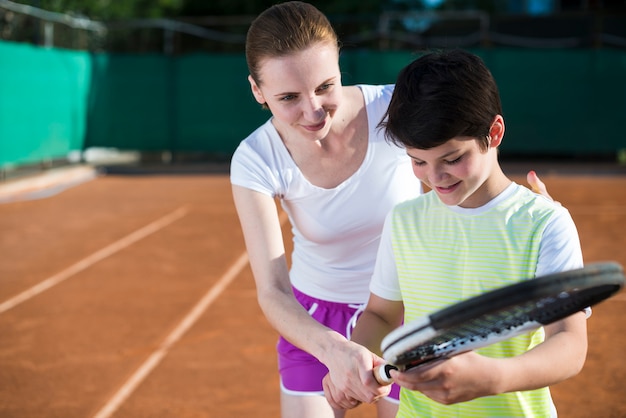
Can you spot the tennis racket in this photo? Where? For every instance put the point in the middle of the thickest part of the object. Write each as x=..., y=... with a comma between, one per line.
x=497, y=315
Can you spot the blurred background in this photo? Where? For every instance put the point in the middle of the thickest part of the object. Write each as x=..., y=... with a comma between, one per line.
x=164, y=82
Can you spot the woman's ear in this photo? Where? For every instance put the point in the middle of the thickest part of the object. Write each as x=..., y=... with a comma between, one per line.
x=496, y=131
x=256, y=91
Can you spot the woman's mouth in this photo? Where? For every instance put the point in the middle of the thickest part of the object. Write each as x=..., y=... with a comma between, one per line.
x=315, y=128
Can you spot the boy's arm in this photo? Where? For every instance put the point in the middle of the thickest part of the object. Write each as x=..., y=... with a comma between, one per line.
x=471, y=375
x=561, y=356
x=563, y=353
x=381, y=316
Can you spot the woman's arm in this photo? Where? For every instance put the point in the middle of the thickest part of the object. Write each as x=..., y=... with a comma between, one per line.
x=264, y=242
x=263, y=237
x=380, y=317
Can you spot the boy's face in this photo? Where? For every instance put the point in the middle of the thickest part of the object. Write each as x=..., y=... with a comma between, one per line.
x=458, y=171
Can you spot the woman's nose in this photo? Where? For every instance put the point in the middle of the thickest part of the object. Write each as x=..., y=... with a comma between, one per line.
x=314, y=110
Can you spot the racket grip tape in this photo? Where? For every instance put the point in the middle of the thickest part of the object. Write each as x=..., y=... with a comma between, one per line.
x=381, y=374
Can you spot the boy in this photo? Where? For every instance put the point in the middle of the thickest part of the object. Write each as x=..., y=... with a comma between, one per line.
x=474, y=231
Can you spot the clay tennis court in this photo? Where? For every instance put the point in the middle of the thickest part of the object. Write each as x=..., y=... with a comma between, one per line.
x=131, y=296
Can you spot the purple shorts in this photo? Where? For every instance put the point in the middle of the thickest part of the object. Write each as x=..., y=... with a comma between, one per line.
x=300, y=372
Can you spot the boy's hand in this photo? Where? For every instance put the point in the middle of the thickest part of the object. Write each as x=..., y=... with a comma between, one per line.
x=457, y=379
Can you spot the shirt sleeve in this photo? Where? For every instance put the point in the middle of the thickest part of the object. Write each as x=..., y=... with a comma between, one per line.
x=249, y=169
x=384, y=281
x=560, y=248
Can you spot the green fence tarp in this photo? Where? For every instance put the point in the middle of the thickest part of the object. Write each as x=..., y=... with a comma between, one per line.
x=43, y=102
x=561, y=102
x=556, y=101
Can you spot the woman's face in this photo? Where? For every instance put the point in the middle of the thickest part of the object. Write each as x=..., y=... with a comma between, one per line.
x=302, y=90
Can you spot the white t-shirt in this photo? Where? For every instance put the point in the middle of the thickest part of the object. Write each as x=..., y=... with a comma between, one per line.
x=336, y=231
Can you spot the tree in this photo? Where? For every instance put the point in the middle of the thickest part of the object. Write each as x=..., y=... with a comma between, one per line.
x=104, y=10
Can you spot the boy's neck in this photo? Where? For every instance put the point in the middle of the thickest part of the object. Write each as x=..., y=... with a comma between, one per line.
x=495, y=184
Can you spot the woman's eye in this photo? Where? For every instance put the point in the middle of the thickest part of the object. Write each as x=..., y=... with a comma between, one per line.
x=288, y=98
x=418, y=163
x=324, y=87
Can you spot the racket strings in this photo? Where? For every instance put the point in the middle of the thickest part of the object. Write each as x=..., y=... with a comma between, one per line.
x=501, y=314
x=486, y=327
x=502, y=324
x=543, y=310
x=553, y=309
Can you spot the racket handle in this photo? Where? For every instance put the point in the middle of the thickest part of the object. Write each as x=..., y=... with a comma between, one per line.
x=381, y=374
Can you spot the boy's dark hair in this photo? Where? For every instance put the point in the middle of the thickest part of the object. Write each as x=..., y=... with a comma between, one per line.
x=439, y=96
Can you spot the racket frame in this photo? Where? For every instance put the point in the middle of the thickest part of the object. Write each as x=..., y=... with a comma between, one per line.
x=605, y=277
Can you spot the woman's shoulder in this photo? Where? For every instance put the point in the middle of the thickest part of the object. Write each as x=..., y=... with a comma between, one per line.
x=262, y=144
x=260, y=162
x=261, y=136
x=373, y=98
x=374, y=92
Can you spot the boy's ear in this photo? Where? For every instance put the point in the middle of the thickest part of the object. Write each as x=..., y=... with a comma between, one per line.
x=256, y=91
x=496, y=131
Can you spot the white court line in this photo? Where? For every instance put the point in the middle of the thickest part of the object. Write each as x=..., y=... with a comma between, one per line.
x=49, y=183
x=155, y=358
x=93, y=258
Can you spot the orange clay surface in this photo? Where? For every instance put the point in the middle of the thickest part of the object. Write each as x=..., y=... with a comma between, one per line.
x=146, y=312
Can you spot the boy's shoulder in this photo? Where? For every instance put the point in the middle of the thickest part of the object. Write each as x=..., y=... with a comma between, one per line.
x=525, y=195
x=516, y=197
x=422, y=203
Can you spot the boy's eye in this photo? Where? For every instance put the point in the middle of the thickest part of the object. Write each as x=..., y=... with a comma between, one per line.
x=418, y=163
x=455, y=161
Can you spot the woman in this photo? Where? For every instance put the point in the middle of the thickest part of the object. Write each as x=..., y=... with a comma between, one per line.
x=336, y=177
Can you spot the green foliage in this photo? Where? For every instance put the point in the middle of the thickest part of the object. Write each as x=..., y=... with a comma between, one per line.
x=139, y=9
x=254, y=7
x=112, y=9
x=224, y=7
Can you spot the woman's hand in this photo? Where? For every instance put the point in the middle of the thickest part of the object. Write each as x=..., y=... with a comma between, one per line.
x=536, y=185
x=351, y=380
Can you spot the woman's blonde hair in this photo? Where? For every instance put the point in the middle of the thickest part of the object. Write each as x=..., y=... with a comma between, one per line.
x=283, y=29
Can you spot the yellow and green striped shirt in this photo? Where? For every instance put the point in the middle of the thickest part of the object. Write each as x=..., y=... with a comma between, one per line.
x=443, y=257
